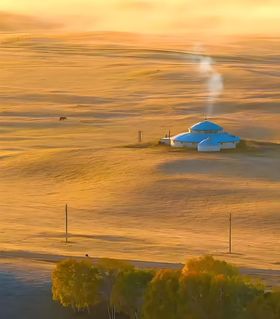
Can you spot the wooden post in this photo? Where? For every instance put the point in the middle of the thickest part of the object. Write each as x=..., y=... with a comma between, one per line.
x=140, y=136
x=66, y=223
x=230, y=234
x=169, y=137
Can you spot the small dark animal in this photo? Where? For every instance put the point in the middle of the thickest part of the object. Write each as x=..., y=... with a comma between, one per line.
x=63, y=118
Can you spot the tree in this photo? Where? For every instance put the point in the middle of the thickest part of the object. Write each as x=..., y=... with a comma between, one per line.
x=204, y=289
x=129, y=291
x=265, y=306
x=209, y=265
x=161, y=300
x=76, y=284
x=193, y=295
x=110, y=269
x=207, y=296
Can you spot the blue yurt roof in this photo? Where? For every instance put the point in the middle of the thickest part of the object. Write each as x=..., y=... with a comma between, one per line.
x=206, y=126
x=190, y=137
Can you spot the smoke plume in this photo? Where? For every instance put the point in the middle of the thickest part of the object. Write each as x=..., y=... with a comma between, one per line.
x=214, y=80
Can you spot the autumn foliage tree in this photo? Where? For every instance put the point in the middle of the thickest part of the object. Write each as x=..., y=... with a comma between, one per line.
x=205, y=288
x=76, y=284
x=214, y=296
x=129, y=290
x=266, y=305
x=211, y=266
x=110, y=269
x=161, y=300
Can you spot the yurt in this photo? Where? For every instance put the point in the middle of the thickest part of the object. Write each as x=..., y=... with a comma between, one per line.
x=211, y=134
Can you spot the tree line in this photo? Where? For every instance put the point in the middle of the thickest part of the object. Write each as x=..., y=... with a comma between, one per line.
x=205, y=288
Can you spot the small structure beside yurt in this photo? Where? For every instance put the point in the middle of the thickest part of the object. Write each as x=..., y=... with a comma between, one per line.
x=205, y=136
x=209, y=145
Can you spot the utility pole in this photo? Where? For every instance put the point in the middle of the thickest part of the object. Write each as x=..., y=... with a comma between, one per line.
x=66, y=223
x=140, y=136
x=169, y=137
x=230, y=234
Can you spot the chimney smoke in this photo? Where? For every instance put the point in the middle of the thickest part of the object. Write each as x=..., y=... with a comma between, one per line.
x=214, y=80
